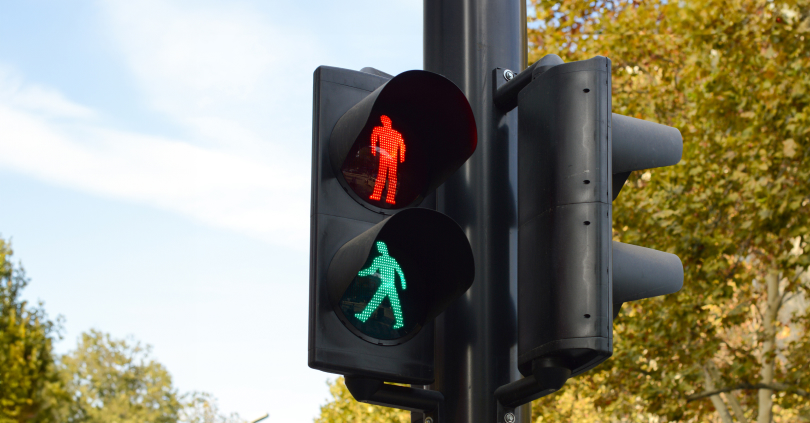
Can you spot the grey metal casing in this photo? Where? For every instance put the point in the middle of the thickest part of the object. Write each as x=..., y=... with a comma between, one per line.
x=564, y=216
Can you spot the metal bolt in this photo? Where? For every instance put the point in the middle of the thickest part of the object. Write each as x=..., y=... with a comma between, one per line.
x=509, y=418
x=428, y=419
x=508, y=75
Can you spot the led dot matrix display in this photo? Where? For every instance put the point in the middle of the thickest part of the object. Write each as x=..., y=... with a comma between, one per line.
x=378, y=170
x=391, y=148
x=378, y=302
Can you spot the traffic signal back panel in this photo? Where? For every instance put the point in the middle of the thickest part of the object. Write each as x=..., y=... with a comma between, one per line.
x=564, y=175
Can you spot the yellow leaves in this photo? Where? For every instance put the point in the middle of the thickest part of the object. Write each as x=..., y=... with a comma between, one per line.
x=663, y=214
x=343, y=408
x=765, y=213
x=789, y=148
x=784, y=333
x=739, y=173
x=734, y=81
x=804, y=26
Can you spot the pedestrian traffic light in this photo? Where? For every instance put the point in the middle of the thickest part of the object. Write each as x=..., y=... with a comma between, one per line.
x=573, y=157
x=383, y=262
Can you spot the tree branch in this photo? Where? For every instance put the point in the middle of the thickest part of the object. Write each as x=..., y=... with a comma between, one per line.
x=750, y=386
x=796, y=279
x=717, y=401
x=729, y=396
x=642, y=371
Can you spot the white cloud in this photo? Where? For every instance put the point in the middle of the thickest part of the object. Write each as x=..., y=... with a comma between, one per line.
x=36, y=98
x=216, y=70
x=262, y=198
x=218, y=65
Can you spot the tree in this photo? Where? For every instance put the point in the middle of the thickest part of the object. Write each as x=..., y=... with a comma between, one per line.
x=732, y=76
x=202, y=407
x=344, y=409
x=102, y=380
x=29, y=384
x=116, y=381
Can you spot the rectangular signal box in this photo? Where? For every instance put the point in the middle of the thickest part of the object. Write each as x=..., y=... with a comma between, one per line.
x=336, y=218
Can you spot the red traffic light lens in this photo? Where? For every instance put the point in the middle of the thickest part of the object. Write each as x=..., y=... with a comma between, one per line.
x=403, y=140
x=384, y=171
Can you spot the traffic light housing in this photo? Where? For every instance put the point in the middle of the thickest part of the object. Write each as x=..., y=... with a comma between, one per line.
x=383, y=263
x=573, y=157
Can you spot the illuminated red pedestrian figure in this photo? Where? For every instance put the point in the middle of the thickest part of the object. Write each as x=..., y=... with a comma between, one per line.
x=392, y=151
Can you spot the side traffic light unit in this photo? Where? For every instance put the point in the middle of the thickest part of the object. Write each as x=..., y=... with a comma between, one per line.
x=574, y=155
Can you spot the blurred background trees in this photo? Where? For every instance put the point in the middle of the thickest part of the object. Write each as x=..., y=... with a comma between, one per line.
x=29, y=380
x=733, y=344
x=344, y=409
x=103, y=380
x=116, y=380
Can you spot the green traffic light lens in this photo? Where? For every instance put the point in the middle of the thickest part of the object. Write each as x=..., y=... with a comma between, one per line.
x=381, y=301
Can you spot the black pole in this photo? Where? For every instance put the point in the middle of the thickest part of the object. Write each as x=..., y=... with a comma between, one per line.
x=476, y=338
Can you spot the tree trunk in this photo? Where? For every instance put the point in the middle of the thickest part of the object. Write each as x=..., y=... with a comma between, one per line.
x=735, y=406
x=730, y=398
x=768, y=347
x=719, y=405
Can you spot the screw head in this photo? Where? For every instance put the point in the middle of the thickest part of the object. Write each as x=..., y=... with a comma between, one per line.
x=509, y=418
x=508, y=75
x=428, y=419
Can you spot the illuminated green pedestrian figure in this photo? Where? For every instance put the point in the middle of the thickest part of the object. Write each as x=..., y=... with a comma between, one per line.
x=388, y=269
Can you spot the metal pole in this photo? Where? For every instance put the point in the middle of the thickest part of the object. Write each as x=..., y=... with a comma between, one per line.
x=476, y=338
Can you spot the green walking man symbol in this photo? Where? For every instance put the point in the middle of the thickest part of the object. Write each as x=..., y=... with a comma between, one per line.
x=388, y=269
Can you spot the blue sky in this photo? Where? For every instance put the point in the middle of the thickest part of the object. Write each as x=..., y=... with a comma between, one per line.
x=154, y=174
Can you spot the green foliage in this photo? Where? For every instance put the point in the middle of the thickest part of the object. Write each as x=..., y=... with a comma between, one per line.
x=29, y=383
x=732, y=76
x=201, y=407
x=116, y=381
x=344, y=409
x=102, y=380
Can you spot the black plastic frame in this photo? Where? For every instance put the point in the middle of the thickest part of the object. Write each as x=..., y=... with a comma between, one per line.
x=564, y=217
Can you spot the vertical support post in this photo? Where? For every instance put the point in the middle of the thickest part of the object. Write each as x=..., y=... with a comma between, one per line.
x=476, y=337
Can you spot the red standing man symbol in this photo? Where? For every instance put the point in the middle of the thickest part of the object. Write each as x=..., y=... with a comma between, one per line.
x=392, y=151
